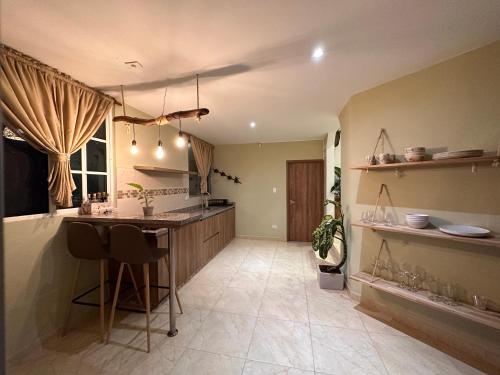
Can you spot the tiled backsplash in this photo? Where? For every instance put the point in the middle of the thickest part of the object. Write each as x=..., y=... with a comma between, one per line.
x=133, y=193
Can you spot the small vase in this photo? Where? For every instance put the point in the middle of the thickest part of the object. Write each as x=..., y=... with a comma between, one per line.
x=148, y=211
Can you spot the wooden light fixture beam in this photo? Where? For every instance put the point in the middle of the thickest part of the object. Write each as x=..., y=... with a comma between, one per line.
x=163, y=120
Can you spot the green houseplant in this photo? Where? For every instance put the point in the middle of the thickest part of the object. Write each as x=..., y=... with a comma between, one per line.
x=145, y=197
x=323, y=237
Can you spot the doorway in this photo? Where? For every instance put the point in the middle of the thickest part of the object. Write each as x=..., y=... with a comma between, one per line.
x=305, y=188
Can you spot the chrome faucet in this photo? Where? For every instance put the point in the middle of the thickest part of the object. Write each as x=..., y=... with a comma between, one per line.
x=204, y=200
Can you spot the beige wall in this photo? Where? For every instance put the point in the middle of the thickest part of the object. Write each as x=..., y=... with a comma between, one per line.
x=452, y=105
x=38, y=274
x=260, y=169
x=147, y=141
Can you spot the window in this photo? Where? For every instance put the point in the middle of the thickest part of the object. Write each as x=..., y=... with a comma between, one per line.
x=25, y=175
x=90, y=166
x=194, y=178
x=26, y=172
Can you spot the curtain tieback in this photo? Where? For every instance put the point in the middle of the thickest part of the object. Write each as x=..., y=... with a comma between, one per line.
x=60, y=157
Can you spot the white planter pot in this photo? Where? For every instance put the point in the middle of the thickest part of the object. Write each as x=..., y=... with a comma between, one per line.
x=328, y=280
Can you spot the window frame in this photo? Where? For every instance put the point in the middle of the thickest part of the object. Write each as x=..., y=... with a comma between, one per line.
x=53, y=210
x=109, y=165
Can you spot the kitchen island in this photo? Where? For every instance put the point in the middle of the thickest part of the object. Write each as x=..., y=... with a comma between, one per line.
x=193, y=235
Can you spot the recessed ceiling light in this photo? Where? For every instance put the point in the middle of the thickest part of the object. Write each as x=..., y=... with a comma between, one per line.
x=318, y=53
x=252, y=124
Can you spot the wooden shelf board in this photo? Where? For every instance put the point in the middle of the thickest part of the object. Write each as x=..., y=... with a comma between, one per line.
x=488, y=158
x=492, y=241
x=146, y=168
x=488, y=318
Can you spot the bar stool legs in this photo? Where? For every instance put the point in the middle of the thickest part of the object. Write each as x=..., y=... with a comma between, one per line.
x=73, y=290
x=102, y=286
x=102, y=271
x=145, y=267
x=115, y=300
x=166, y=260
x=135, y=284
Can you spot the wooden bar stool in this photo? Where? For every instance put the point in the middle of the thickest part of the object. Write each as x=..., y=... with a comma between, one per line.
x=85, y=243
x=129, y=246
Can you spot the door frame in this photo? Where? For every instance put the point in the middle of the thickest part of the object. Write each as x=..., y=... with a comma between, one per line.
x=288, y=162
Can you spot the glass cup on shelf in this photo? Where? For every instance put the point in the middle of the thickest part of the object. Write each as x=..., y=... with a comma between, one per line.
x=402, y=279
x=449, y=293
x=414, y=282
x=480, y=302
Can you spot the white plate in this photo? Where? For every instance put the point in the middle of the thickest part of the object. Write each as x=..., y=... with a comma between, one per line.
x=464, y=230
x=458, y=154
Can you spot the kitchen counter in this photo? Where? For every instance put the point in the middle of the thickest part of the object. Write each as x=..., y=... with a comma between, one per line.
x=193, y=236
x=171, y=219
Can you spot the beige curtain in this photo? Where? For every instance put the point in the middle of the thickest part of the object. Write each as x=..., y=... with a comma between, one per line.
x=52, y=112
x=203, y=155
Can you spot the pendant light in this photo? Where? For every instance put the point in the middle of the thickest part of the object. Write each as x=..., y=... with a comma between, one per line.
x=160, y=152
x=181, y=140
x=133, y=148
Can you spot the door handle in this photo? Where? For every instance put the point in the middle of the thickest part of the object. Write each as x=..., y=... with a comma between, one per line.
x=292, y=201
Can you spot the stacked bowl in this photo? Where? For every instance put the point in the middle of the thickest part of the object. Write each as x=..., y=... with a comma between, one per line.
x=417, y=221
x=414, y=153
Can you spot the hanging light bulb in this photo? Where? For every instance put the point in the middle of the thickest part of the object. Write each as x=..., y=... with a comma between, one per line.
x=180, y=141
x=159, y=150
x=134, y=149
x=160, y=153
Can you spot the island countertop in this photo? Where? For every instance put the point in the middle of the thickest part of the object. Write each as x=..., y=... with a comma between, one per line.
x=171, y=219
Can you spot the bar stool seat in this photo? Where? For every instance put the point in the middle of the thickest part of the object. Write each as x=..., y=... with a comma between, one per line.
x=129, y=246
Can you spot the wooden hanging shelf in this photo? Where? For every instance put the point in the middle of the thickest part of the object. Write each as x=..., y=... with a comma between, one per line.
x=146, y=168
x=488, y=158
x=488, y=318
x=492, y=241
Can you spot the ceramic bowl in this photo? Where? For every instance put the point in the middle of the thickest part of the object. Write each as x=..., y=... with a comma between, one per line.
x=414, y=157
x=414, y=149
x=417, y=221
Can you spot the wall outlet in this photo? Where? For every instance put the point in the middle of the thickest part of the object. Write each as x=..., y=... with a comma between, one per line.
x=274, y=226
x=275, y=190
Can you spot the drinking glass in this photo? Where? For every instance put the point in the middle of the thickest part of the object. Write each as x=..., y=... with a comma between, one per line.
x=480, y=302
x=402, y=279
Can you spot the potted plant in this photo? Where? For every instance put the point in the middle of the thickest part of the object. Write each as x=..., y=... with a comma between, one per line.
x=330, y=276
x=145, y=197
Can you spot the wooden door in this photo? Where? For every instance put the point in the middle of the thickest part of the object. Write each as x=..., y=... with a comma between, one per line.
x=305, y=197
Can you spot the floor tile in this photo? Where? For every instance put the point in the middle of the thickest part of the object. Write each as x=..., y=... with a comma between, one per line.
x=255, y=308
x=344, y=351
x=375, y=326
x=187, y=324
x=201, y=296
x=261, y=368
x=410, y=356
x=286, y=283
x=283, y=343
x=256, y=265
x=240, y=301
x=248, y=280
x=332, y=311
x=225, y=333
x=283, y=305
x=195, y=362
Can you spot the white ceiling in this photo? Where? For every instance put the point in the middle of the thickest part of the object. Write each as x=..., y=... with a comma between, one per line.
x=253, y=56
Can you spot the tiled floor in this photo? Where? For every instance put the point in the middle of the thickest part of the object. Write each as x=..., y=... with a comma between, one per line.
x=254, y=309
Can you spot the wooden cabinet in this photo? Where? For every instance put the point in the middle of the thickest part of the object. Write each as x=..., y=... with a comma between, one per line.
x=227, y=227
x=197, y=243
